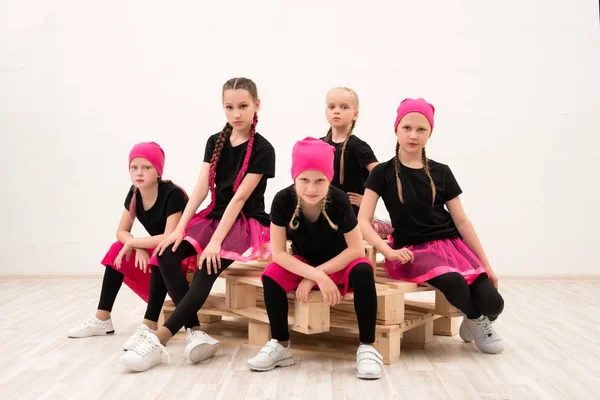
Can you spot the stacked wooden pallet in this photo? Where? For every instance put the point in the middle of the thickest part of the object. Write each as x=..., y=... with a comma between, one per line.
x=239, y=315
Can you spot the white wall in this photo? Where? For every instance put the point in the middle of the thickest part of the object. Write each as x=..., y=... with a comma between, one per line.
x=515, y=84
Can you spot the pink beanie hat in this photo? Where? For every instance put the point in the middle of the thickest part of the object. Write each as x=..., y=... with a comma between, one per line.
x=311, y=153
x=150, y=151
x=414, y=105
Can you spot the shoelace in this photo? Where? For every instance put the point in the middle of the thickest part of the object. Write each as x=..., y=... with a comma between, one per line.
x=487, y=327
x=147, y=345
x=194, y=334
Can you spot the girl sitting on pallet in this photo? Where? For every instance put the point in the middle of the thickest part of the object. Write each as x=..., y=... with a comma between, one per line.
x=328, y=253
x=354, y=159
x=237, y=163
x=430, y=244
x=158, y=205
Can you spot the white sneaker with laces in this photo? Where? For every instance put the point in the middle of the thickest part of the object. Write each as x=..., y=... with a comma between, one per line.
x=200, y=346
x=486, y=338
x=146, y=354
x=92, y=327
x=272, y=355
x=137, y=337
x=464, y=332
x=368, y=362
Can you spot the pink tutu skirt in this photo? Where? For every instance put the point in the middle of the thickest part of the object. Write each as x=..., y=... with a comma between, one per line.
x=289, y=281
x=247, y=239
x=134, y=277
x=436, y=258
x=383, y=228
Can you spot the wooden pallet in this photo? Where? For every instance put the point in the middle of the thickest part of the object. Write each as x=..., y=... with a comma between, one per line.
x=317, y=328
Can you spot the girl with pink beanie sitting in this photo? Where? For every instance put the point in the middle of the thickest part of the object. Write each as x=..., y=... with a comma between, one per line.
x=238, y=161
x=328, y=254
x=158, y=205
x=429, y=243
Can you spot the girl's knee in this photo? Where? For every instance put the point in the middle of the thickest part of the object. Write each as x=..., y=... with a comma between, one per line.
x=362, y=271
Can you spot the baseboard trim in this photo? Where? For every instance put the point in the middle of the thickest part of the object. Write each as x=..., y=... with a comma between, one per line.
x=563, y=278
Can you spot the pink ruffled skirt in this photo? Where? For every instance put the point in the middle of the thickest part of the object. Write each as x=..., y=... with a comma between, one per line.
x=436, y=258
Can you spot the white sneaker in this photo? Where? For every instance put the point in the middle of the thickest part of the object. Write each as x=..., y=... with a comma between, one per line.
x=92, y=327
x=368, y=362
x=486, y=338
x=200, y=346
x=270, y=356
x=146, y=354
x=137, y=337
x=464, y=332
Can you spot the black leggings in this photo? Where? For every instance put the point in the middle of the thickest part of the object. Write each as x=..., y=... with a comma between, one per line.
x=477, y=299
x=362, y=282
x=188, y=300
x=112, y=282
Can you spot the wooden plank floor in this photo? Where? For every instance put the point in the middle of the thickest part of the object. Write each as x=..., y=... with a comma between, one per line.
x=551, y=331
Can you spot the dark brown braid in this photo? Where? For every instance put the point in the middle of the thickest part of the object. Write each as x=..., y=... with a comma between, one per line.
x=232, y=84
x=397, y=169
x=426, y=168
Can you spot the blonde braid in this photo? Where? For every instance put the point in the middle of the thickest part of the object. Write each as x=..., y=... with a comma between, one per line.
x=329, y=136
x=324, y=212
x=343, y=150
x=397, y=169
x=426, y=168
x=294, y=221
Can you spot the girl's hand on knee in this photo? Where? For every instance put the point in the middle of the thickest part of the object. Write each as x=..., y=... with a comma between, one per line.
x=125, y=252
x=493, y=278
x=304, y=289
x=175, y=239
x=212, y=255
x=403, y=255
x=330, y=291
x=142, y=257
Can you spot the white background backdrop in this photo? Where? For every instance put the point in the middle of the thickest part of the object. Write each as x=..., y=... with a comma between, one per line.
x=515, y=84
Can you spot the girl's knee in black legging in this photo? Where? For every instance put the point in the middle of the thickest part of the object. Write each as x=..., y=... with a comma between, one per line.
x=195, y=297
x=486, y=297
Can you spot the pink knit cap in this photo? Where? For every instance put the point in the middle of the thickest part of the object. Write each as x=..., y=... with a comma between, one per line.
x=414, y=105
x=311, y=153
x=150, y=151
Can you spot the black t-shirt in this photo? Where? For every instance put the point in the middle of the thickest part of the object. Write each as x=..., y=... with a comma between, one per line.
x=317, y=242
x=357, y=156
x=416, y=221
x=262, y=161
x=170, y=200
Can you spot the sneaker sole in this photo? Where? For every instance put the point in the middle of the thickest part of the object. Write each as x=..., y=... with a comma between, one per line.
x=368, y=376
x=493, y=351
x=201, y=352
x=138, y=368
x=74, y=336
x=287, y=362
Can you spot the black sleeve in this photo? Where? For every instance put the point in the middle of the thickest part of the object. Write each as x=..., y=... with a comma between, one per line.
x=262, y=160
x=278, y=214
x=347, y=219
x=451, y=187
x=365, y=154
x=375, y=180
x=208, y=150
x=175, y=203
x=128, y=198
